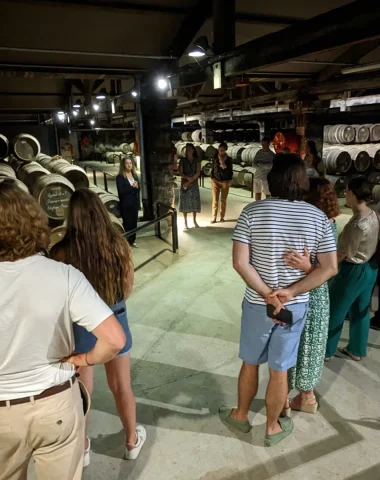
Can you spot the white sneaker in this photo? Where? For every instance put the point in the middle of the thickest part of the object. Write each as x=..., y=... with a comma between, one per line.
x=86, y=459
x=141, y=437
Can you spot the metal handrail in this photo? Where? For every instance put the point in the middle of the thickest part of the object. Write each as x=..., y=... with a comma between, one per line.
x=203, y=176
x=170, y=212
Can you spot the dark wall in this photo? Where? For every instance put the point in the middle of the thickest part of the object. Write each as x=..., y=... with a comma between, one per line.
x=44, y=134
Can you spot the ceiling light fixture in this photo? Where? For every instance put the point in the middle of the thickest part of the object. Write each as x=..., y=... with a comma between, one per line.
x=366, y=67
x=75, y=113
x=134, y=93
x=200, y=47
x=96, y=107
x=77, y=103
x=162, y=84
x=102, y=94
x=92, y=121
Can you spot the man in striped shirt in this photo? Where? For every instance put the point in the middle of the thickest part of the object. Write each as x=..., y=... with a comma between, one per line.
x=264, y=232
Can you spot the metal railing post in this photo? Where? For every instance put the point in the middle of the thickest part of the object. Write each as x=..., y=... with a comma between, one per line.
x=174, y=231
x=94, y=177
x=105, y=181
x=252, y=187
x=158, y=225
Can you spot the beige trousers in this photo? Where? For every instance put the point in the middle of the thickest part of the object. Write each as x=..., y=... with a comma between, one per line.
x=50, y=430
x=219, y=189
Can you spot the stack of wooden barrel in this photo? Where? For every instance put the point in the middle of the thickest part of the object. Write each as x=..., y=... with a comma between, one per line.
x=351, y=150
x=51, y=180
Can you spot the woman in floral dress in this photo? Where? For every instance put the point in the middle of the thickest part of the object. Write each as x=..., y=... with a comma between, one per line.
x=307, y=372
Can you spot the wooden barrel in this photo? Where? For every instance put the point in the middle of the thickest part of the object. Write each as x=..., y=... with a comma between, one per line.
x=285, y=139
x=53, y=193
x=339, y=184
x=240, y=134
x=30, y=172
x=374, y=153
x=110, y=157
x=15, y=163
x=117, y=223
x=374, y=132
x=218, y=136
x=209, y=150
x=26, y=147
x=376, y=194
x=339, y=134
x=109, y=200
x=199, y=150
x=360, y=158
x=235, y=153
x=4, y=147
x=206, y=167
x=249, y=154
x=57, y=234
x=124, y=148
x=6, y=171
x=186, y=136
x=374, y=177
x=76, y=175
x=229, y=135
x=43, y=159
x=336, y=160
x=196, y=136
x=248, y=177
x=362, y=133
x=235, y=178
x=181, y=149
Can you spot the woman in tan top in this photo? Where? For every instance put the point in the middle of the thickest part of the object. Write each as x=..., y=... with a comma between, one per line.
x=351, y=289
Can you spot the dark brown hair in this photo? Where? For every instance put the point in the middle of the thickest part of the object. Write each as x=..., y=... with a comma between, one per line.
x=288, y=179
x=195, y=153
x=223, y=145
x=94, y=246
x=24, y=227
x=322, y=195
x=360, y=187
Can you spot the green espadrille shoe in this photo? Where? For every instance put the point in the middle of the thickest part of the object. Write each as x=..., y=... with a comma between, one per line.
x=287, y=426
x=242, y=426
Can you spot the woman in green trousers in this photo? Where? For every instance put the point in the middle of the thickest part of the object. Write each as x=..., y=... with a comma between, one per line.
x=351, y=289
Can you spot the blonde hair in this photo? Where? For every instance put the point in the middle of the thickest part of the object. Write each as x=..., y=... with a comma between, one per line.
x=122, y=164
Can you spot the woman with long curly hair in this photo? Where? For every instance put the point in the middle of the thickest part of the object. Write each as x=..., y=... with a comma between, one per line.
x=307, y=372
x=97, y=249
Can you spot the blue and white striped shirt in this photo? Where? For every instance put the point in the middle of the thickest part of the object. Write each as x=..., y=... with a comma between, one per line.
x=273, y=227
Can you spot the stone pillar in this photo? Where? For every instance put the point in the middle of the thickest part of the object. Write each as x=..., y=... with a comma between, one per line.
x=157, y=152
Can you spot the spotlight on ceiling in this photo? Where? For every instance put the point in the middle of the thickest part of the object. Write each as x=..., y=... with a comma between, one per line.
x=75, y=113
x=162, y=84
x=134, y=93
x=92, y=121
x=96, y=107
x=102, y=94
x=199, y=48
x=61, y=116
x=77, y=103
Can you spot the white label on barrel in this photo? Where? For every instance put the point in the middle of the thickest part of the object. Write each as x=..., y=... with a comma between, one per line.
x=55, y=200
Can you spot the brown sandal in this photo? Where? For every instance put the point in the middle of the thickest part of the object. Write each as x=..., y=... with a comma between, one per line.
x=348, y=354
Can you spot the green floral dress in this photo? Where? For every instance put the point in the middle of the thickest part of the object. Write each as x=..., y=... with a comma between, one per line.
x=307, y=372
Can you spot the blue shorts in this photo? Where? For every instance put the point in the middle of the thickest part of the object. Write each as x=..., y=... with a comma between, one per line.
x=85, y=341
x=263, y=341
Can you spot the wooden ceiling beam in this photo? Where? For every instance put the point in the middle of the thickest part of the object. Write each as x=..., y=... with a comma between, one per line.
x=353, y=23
x=352, y=55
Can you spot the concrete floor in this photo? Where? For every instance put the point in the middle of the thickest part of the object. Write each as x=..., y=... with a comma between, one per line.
x=185, y=320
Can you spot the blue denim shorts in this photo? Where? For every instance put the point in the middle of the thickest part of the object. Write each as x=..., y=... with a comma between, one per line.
x=263, y=341
x=85, y=341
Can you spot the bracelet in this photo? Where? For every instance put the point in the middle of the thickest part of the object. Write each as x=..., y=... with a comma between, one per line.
x=88, y=364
